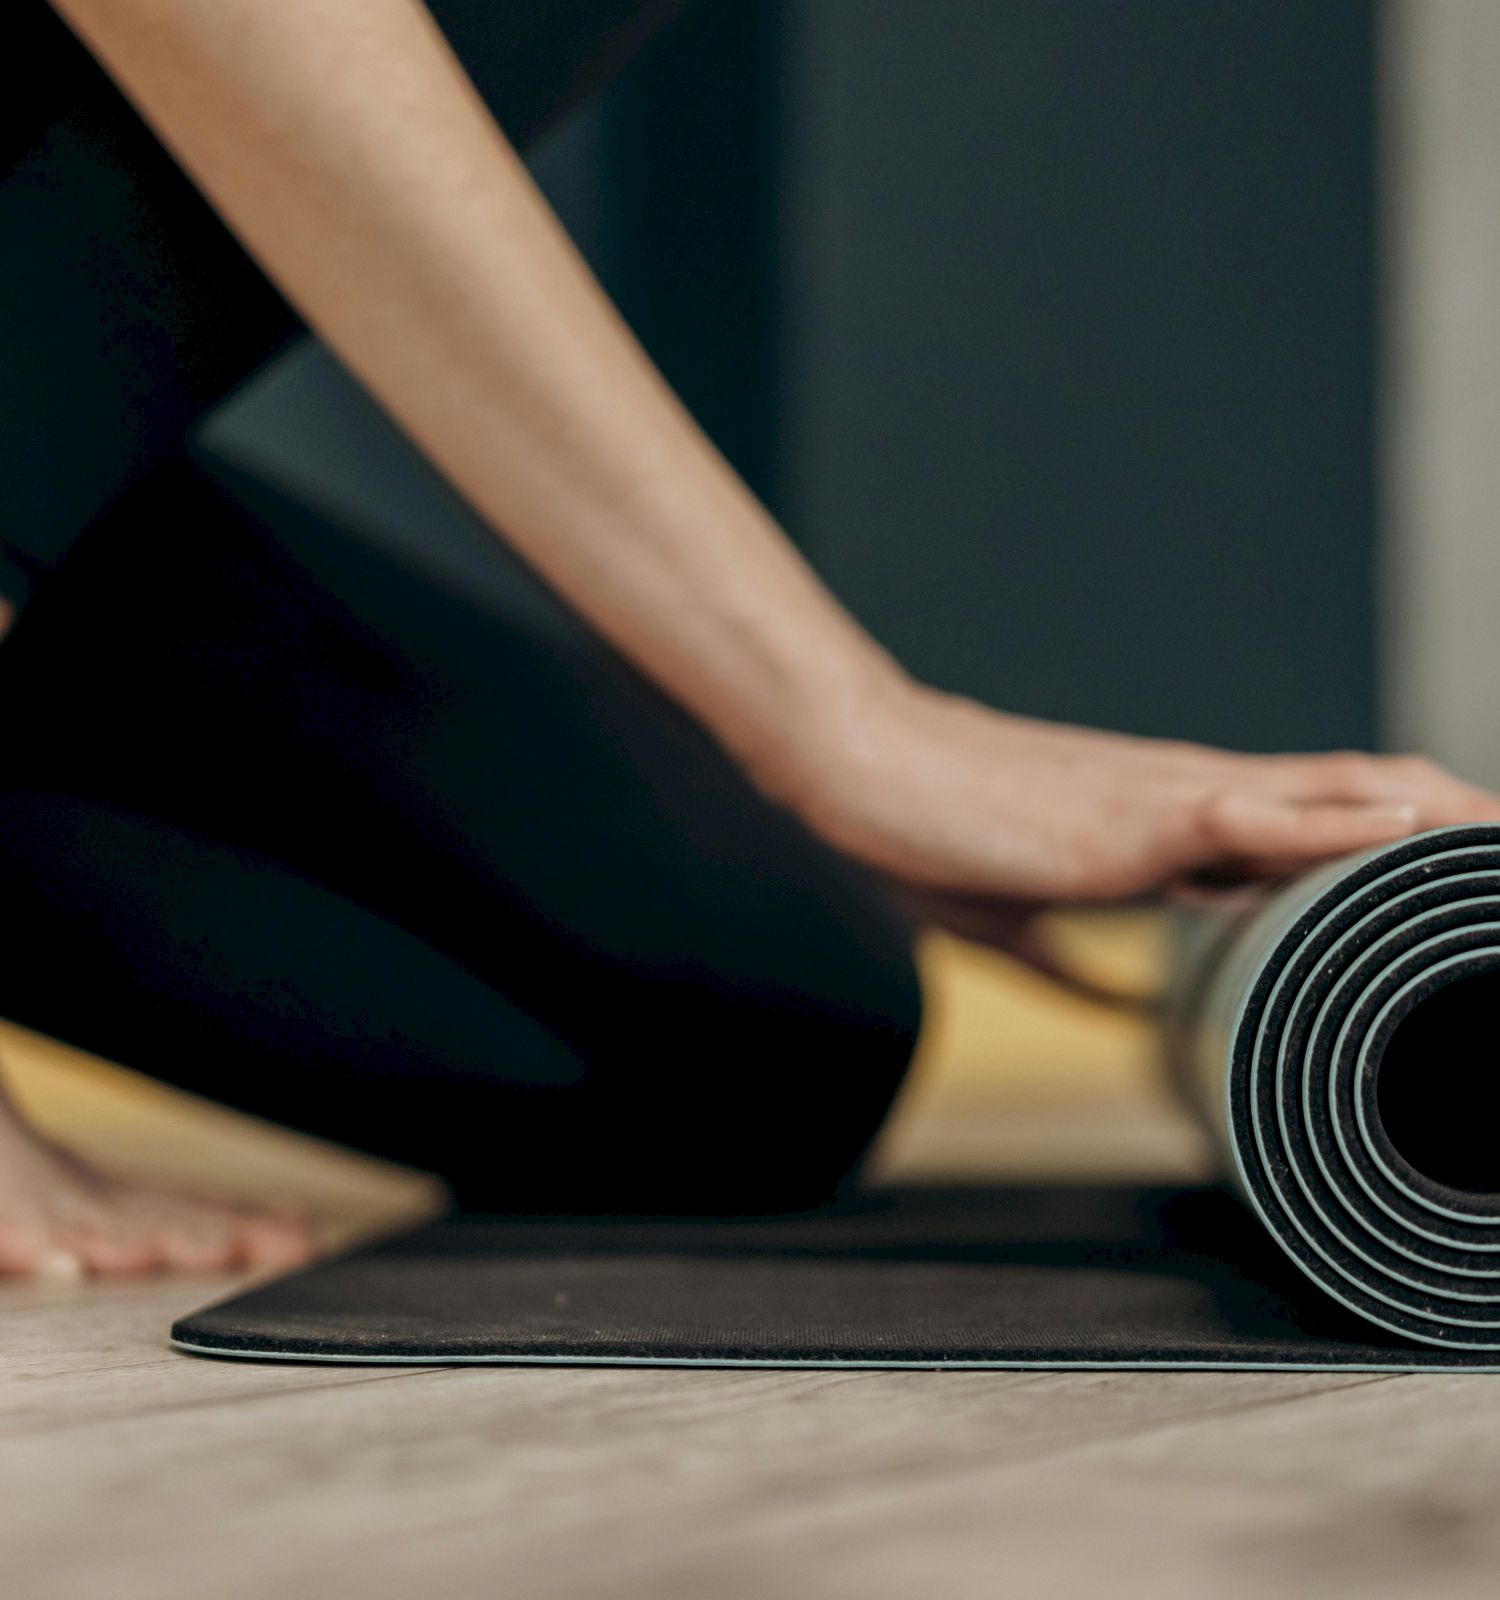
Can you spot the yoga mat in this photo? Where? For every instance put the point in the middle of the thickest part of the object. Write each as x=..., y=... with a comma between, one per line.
x=1040, y=1276
x=1335, y=1037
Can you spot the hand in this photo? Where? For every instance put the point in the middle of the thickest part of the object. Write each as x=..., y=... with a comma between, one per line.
x=982, y=811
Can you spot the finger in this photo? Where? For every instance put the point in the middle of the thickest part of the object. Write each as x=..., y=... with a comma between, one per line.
x=1253, y=827
x=1462, y=805
x=1350, y=776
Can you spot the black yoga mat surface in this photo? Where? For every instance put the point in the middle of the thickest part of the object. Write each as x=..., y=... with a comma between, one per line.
x=1036, y=1276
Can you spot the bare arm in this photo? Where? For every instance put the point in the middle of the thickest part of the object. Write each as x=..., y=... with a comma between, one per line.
x=346, y=147
x=344, y=144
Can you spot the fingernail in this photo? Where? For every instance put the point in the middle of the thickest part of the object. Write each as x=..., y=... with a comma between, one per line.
x=1393, y=816
x=62, y=1265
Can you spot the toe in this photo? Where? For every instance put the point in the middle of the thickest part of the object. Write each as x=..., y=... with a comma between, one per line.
x=187, y=1236
x=199, y=1244
x=112, y=1252
x=22, y=1247
x=275, y=1240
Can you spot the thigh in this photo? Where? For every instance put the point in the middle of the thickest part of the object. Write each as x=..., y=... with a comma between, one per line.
x=520, y=801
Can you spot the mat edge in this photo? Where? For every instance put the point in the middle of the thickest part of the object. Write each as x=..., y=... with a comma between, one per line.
x=763, y=1364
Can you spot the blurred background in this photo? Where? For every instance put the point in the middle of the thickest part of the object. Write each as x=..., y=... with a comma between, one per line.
x=1129, y=362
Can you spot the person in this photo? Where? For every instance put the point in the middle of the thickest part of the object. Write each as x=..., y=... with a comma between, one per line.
x=614, y=928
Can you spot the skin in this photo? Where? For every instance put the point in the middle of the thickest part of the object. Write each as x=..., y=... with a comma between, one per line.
x=344, y=144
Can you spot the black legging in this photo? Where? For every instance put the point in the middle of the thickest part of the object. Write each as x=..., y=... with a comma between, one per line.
x=328, y=844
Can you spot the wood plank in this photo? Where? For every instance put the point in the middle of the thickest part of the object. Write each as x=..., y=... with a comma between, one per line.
x=623, y=1483
x=80, y=1354
x=542, y=1474
x=1375, y=1487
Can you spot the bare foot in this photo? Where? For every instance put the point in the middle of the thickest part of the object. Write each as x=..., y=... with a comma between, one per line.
x=61, y=1216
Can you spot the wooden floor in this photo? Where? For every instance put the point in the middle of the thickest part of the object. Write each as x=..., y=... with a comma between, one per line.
x=130, y=1473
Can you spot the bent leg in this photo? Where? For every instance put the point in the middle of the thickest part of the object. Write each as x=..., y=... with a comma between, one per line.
x=739, y=1001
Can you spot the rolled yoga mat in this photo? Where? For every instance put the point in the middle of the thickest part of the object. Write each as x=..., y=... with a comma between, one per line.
x=1336, y=1039
x=1341, y=1043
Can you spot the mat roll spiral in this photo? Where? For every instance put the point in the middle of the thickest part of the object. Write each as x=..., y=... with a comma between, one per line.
x=1342, y=1041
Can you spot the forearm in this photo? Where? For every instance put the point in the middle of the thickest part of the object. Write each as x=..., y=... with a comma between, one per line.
x=343, y=143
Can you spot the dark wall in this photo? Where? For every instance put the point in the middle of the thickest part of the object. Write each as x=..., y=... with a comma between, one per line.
x=1082, y=297
x=690, y=163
